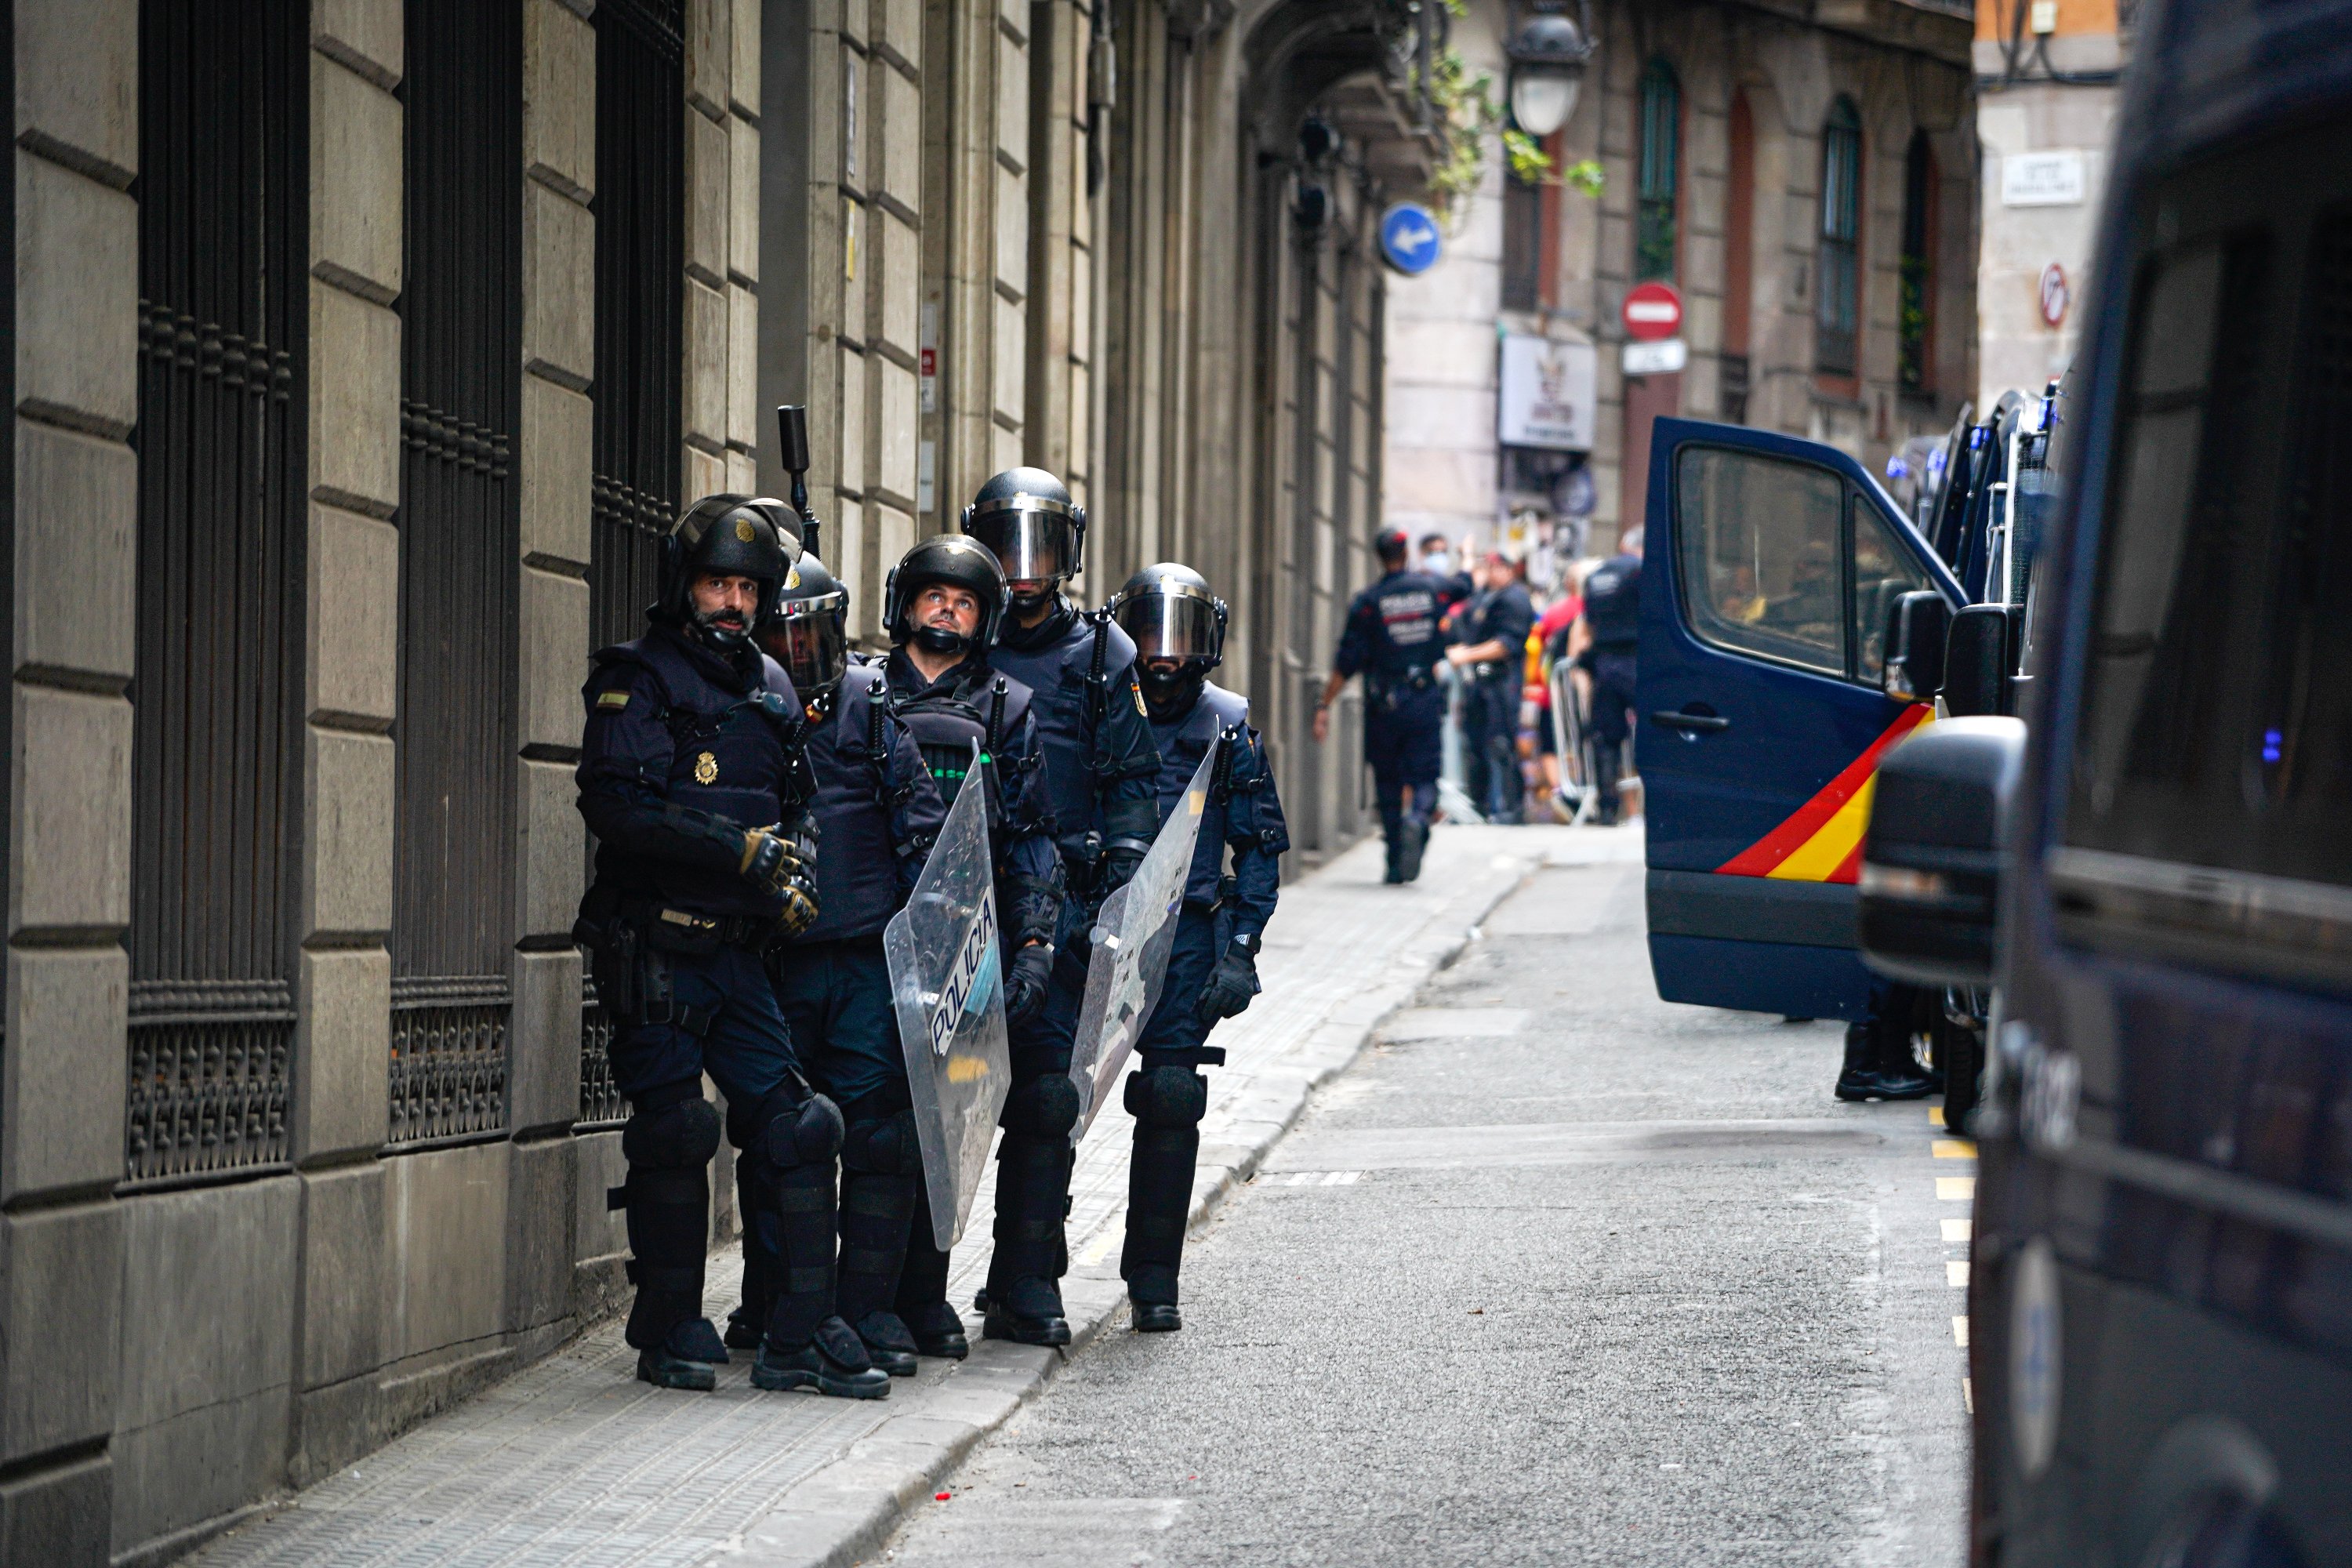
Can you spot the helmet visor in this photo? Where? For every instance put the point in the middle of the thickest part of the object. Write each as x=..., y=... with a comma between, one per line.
x=811, y=644
x=1031, y=545
x=1168, y=621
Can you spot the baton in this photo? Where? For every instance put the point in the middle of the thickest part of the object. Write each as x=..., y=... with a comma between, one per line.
x=792, y=430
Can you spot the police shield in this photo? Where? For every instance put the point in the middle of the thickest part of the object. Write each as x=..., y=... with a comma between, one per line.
x=1132, y=938
x=947, y=984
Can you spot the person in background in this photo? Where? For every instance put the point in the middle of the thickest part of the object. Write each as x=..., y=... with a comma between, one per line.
x=1494, y=633
x=1392, y=637
x=1610, y=635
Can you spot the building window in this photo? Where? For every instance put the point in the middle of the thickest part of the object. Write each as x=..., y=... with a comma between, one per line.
x=1659, y=173
x=1523, y=206
x=1837, y=302
x=1914, y=352
x=1739, y=259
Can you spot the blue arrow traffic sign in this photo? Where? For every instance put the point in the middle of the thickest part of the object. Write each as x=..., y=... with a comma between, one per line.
x=1409, y=239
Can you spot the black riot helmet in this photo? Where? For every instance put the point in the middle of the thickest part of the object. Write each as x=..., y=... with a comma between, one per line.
x=806, y=629
x=729, y=535
x=1170, y=614
x=1026, y=519
x=952, y=559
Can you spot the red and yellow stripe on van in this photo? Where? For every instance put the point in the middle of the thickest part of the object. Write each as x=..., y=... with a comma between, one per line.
x=1822, y=839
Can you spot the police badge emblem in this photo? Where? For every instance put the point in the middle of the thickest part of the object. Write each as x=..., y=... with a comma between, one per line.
x=744, y=529
x=706, y=768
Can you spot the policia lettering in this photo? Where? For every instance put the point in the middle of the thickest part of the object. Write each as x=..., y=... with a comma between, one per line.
x=942, y=606
x=695, y=779
x=1390, y=637
x=1099, y=767
x=1179, y=629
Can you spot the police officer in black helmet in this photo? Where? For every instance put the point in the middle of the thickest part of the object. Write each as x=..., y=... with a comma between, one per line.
x=1179, y=628
x=942, y=607
x=1099, y=768
x=1606, y=641
x=877, y=812
x=694, y=779
x=1392, y=637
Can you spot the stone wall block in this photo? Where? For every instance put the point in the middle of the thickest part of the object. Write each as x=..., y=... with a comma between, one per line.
x=1012, y=232
x=78, y=85
x=70, y=866
x=347, y=785
x=61, y=1098
x=59, y=1515
x=707, y=192
x=354, y=402
x=342, y=1052
x=854, y=476
x=900, y=425
x=902, y=32
x=444, y=1216
x=705, y=368
x=743, y=78
x=552, y=864
x=556, y=458
x=343, y=1285
x=559, y=97
x=1013, y=97
x=354, y=620
x=902, y=143
x=743, y=200
x=61, y=1290
x=901, y=260
x=366, y=34
x=543, y=1055
x=744, y=473
x=709, y=49
x=76, y=548
x=1011, y=367
x=743, y=368
x=598, y=1232
x=356, y=174
x=559, y=287
x=538, y=1254
x=705, y=471
x=554, y=628
x=77, y=298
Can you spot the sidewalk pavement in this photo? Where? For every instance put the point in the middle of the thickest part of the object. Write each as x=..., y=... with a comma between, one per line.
x=572, y=1461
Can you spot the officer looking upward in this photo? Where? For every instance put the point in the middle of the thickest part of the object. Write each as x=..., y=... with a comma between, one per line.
x=1099, y=768
x=1493, y=654
x=877, y=812
x=1391, y=638
x=1605, y=641
x=693, y=778
x=1179, y=629
x=942, y=604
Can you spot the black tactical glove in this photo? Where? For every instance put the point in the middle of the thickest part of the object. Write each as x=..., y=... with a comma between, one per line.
x=1025, y=982
x=783, y=867
x=1232, y=984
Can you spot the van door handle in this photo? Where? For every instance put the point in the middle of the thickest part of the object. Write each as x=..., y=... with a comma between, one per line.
x=1691, y=723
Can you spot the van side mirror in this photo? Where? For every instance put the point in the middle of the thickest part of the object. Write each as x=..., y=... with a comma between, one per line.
x=1980, y=660
x=1918, y=624
x=1931, y=855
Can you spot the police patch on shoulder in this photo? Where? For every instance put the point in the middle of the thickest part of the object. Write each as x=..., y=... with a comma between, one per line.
x=610, y=701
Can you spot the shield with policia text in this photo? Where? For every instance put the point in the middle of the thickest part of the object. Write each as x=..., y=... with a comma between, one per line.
x=947, y=984
x=1133, y=936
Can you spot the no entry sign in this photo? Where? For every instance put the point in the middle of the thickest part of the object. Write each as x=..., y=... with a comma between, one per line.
x=1653, y=311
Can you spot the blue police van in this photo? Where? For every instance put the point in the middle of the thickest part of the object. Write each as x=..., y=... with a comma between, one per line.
x=2126, y=848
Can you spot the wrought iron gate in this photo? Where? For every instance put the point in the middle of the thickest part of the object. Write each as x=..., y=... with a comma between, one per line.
x=224, y=123
x=640, y=301
x=461, y=372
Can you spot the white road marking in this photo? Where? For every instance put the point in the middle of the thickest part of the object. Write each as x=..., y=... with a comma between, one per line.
x=1960, y=1331
x=1956, y=1189
x=1956, y=1275
x=1958, y=1230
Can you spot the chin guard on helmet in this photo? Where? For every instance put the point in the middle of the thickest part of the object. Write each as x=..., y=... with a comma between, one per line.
x=1027, y=520
x=805, y=628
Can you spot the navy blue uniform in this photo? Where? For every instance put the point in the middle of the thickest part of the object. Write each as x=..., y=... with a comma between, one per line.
x=1490, y=729
x=1391, y=638
x=1612, y=613
x=1167, y=1094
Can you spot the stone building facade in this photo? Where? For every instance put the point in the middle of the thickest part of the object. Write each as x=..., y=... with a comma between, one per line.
x=362, y=349
x=1753, y=156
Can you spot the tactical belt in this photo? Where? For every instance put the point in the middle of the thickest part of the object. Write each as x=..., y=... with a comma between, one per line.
x=660, y=921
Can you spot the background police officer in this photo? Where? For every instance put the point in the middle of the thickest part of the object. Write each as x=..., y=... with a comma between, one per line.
x=1179, y=629
x=1493, y=654
x=1392, y=637
x=1605, y=646
x=942, y=604
x=693, y=779
x=1099, y=768
x=877, y=812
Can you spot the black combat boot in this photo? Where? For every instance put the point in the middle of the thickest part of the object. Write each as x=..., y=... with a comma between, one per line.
x=1167, y=1102
x=833, y=1362
x=922, y=1304
x=1873, y=1072
x=879, y=1159
x=1417, y=840
x=755, y=1191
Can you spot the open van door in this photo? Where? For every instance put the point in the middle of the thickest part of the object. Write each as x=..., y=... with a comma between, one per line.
x=1768, y=566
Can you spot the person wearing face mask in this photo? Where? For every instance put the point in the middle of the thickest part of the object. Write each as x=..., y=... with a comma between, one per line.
x=1179, y=629
x=877, y=812
x=941, y=607
x=1099, y=767
x=694, y=778
x=1392, y=636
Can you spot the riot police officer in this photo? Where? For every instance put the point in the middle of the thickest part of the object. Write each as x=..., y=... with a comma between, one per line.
x=942, y=606
x=1179, y=629
x=1610, y=637
x=693, y=778
x=877, y=812
x=1099, y=767
x=1493, y=654
x=1392, y=636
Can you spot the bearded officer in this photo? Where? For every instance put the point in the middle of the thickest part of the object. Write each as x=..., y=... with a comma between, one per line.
x=1099, y=768
x=877, y=812
x=1391, y=638
x=942, y=607
x=1178, y=630
x=693, y=778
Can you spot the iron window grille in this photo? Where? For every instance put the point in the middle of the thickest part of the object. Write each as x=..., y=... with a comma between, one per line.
x=1837, y=300
x=1658, y=175
x=448, y=1077
x=217, y=688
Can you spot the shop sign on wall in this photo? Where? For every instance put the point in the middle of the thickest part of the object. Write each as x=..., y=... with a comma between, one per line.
x=1548, y=394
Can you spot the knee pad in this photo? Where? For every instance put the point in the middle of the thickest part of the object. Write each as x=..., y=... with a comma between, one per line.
x=1167, y=1096
x=808, y=1134
x=1045, y=1107
x=886, y=1146
x=681, y=1135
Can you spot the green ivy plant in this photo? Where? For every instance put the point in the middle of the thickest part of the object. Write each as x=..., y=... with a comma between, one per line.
x=1464, y=99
